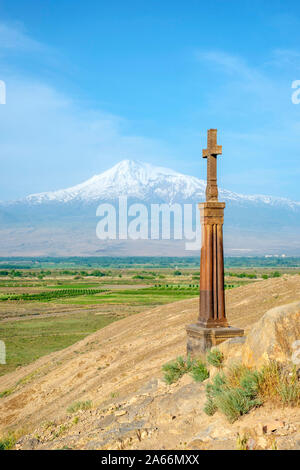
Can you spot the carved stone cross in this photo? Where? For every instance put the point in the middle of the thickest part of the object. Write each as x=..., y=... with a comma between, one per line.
x=211, y=327
x=211, y=154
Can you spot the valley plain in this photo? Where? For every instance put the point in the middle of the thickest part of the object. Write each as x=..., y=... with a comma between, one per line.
x=49, y=304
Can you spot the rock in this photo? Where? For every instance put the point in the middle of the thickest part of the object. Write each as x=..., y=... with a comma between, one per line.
x=186, y=379
x=201, y=437
x=232, y=350
x=120, y=413
x=272, y=337
x=184, y=400
x=251, y=443
x=150, y=386
x=262, y=442
x=30, y=444
x=220, y=432
x=105, y=421
x=271, y=426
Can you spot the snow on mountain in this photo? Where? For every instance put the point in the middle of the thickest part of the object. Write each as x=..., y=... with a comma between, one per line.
x=131, y=178
x=145, y=182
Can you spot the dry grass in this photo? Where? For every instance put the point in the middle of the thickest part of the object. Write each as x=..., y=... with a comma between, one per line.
x=268, y=386
x=242, y=389
x=235, y=373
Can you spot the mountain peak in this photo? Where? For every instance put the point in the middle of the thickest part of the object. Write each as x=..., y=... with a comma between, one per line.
x=132, y=178
x=139, y=170
x=145, y=182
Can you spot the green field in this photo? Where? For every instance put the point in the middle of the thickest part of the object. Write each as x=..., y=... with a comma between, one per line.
x=28, y=340
x=148, y=296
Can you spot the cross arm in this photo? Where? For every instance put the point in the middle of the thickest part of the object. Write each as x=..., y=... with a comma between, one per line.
x=214, y=150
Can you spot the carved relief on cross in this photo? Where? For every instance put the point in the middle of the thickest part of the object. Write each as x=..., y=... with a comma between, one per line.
x=211, y=154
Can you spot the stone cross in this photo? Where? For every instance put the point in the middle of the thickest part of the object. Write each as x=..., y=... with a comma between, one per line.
x=212, y=327
x=211, y=154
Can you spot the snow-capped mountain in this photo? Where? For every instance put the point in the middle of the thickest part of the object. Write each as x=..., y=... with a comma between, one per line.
x=145, y=182
x=131, y=178
x=64, y=222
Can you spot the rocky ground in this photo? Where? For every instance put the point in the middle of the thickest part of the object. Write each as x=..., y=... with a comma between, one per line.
x=159, y=416
x=119, y=370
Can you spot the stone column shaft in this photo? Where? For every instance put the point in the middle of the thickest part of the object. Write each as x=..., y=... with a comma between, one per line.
x=212, y=296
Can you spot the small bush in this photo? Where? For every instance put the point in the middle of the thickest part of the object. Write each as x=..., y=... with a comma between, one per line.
x=242, y=442
x=243, y=389
x=233, y=397
x=290, y=394
x=217, y=385
x=6, y=393
x=289, y=389
x=235, y=373
x=176, y=369
x=210, y=408
x=235, y=403
x=79, y=405
x=199, y=371
x=8, y=442
x=215, y=358
x=250, y=381
x=270, y=379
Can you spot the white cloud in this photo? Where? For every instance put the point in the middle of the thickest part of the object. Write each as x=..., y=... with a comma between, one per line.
x=14, y=37
x=48, y=141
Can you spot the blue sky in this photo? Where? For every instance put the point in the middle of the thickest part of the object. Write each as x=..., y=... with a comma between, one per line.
x=92, y=82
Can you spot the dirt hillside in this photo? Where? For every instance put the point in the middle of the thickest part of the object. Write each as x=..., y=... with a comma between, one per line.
x=119, y=359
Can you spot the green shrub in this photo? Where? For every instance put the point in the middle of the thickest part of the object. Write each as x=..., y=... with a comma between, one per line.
x=210, y=407
x=79, y=405
x=250, y=383
x=235, y=374
x=199, y=371
x=276, y=274
x=242, y=442
x=243, y=389
x=6, y=393
x=8, y=442
x=290, y=394
x=289, y=389
x=215, y=358
x=216, y=386
x=176, y=369
x=235, y=403
x=51, y=295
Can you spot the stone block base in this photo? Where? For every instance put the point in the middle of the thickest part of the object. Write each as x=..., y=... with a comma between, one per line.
x=200, y=340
